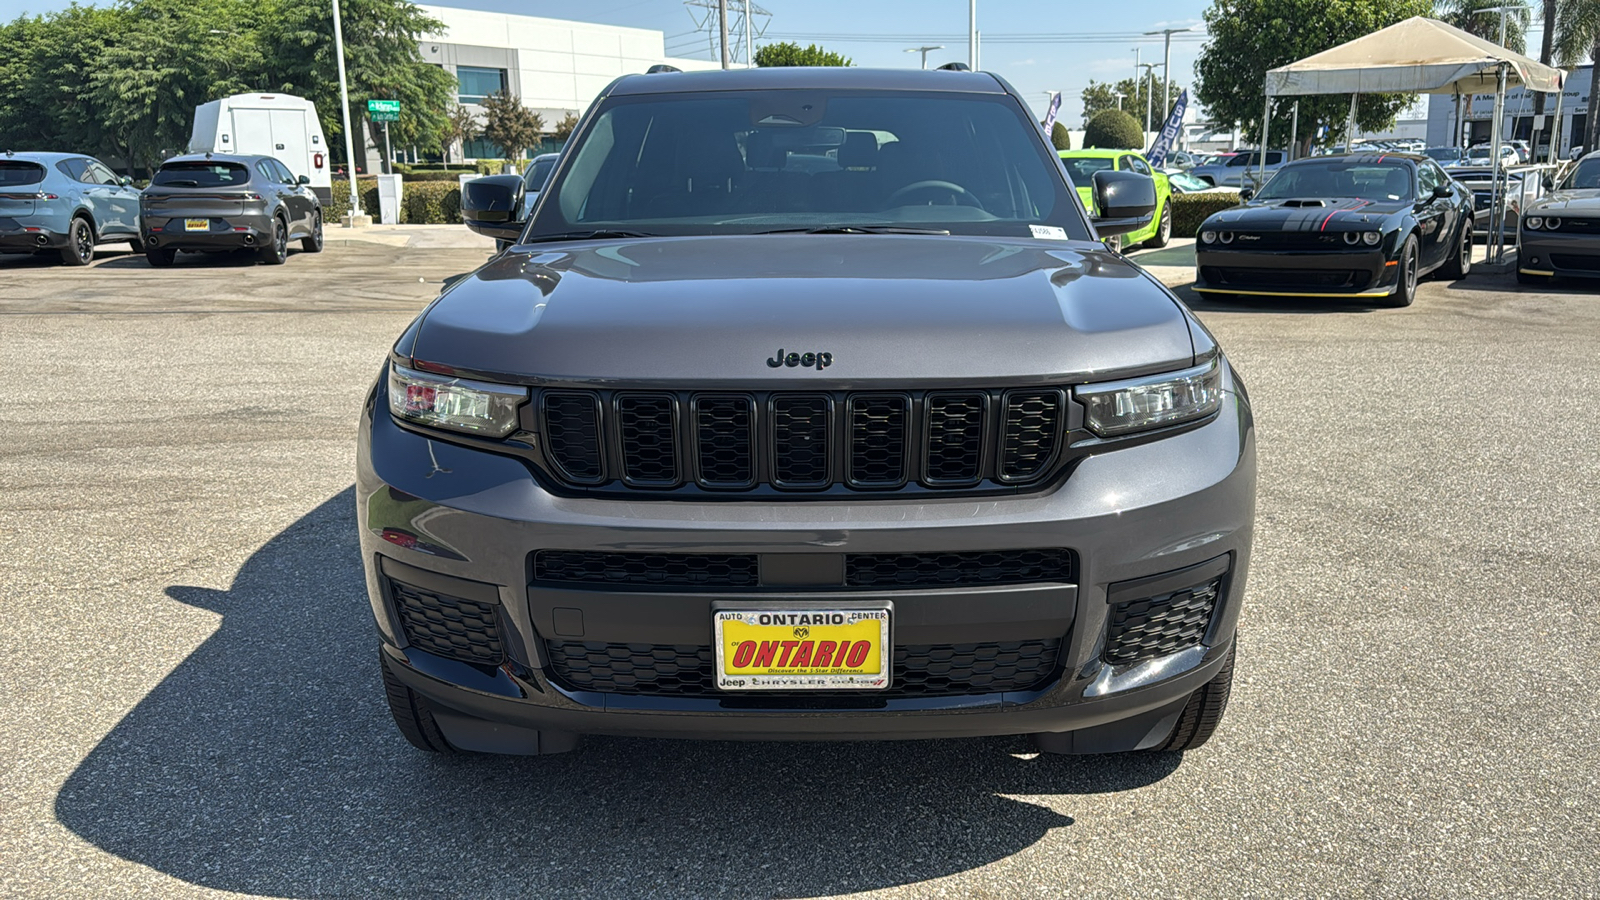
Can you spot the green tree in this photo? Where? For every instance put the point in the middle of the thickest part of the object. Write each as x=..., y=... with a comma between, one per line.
x=46, y=98
x=1113, y=129
x=509, y=125
x=791, y=54
x=460, y=126
x=565, y=127
x=382, y=62
x=1578, y=36
x=1249, y=37
x=1482, y=18
x=1060, y=137
x=1101, y=95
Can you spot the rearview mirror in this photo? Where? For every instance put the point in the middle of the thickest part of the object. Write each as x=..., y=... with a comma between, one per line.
x=492, y=206
x=1125, y=202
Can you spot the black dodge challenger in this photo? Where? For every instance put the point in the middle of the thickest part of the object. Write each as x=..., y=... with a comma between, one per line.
x=1340, y=226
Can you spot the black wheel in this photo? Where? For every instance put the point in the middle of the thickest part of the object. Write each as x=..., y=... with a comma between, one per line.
x=79, y=250
x=1164, y=230
x=1529, y=278
x=313, y=244
x=1405, y=290
x=277, y=250
x=1460, y=263
x=1204, y=711
x=160, y=257
x=411, y=714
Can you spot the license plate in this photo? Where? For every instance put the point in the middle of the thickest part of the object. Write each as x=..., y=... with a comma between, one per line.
x=196, y=224
x=803, y=649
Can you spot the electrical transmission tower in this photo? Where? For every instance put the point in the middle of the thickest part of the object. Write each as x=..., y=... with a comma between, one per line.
x=746, y=22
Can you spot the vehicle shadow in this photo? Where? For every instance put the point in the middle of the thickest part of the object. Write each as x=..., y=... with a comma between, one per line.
x=222, y=259
x=266, y=763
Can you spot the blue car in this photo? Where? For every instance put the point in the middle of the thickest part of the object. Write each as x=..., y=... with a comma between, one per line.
x=64, y=202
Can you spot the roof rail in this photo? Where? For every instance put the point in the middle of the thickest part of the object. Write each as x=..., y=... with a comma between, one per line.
x=955, y=67
x=661, y=67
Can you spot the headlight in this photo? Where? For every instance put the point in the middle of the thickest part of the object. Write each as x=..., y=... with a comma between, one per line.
x=1371, y=238
x=1208, y=237
x=1140, y=404
x=1533, y=223
x=440, y=401
x=1552, y=224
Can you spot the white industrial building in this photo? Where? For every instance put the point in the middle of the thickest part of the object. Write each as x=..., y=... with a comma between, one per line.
x=555, y=66
x=1518, y=122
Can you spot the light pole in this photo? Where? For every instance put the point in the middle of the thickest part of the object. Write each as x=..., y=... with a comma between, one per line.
x=972, y=35
x=1119, y=95
x=1166, y=67
x=344, y=109
x=924, y=51
x=1149, y=95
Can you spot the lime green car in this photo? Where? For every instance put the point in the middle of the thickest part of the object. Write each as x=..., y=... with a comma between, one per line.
x=1081, y=166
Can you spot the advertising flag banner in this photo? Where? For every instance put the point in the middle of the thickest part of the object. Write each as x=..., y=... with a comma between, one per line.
x=1169, y=133
x=1050, y=117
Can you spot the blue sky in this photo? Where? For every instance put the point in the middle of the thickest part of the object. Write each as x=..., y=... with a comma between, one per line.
x=1038, y=46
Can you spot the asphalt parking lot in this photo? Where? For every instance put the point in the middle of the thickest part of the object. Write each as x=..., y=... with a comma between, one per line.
x=190, y=703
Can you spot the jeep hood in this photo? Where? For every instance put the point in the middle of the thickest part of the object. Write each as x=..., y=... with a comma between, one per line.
x=890, y=309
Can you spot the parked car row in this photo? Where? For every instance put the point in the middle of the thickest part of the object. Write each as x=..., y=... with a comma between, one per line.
x=67, y=204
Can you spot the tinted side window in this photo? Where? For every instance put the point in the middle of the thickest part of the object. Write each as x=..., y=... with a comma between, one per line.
x=1428, y=178
x=99, y=174
x=284, y=175
x=266, y=172
x=1243, y=159
x=1275, y=157
x=1137, y=165
x=73, y=168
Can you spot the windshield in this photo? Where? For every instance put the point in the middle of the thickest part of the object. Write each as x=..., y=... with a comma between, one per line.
x=1186, y=182
x=1328, y=178
x=18, y=173
x=1082, y=168
x=538, y=173
x=1444, y=154
x=1585, y=176
x=201, y=174
x=757, y=161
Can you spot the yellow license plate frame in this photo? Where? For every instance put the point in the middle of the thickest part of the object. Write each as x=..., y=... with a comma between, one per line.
x=196, y=224
x=779, y=648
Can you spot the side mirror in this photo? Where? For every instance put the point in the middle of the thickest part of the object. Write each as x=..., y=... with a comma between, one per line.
x=1442, y=192
x=492, y=206
x=1125, y=201
x=1246, y=194
x=1548, y=182
x=303, y=179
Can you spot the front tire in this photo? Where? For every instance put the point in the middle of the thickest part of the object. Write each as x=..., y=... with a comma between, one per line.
x=276, y=252
x=1405, y=290
x=313, y=244
x=1163, y=233
x=411, y=714
x=1204, y=710
x=79, y=250
x=1460, y=264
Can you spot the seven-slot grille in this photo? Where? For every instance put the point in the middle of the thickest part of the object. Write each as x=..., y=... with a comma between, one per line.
x=870, y=441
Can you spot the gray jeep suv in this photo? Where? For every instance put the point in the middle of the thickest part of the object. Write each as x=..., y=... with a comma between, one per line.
x=807, y=405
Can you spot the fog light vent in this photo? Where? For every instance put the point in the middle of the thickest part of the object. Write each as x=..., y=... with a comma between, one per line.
x=1153, y=627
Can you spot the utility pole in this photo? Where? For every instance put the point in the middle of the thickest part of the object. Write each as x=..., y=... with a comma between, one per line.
x=749, y=45
x=344, y=109
x=923, y=50
x=1149, y=96
x=972, y=35
x=722, y=24
x=1166, y=67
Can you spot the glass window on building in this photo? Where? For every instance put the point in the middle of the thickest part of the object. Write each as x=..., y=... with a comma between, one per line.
x=478, y=148
x=476, y=84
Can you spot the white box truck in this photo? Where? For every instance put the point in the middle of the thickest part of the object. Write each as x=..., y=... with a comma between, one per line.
x=277, y=125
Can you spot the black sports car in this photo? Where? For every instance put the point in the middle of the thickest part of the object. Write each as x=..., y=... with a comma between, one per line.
x=1361, y=225
x=1561, y=231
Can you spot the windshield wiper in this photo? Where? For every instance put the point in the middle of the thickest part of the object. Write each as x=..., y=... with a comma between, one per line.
x=598, y=234
x=857, y=229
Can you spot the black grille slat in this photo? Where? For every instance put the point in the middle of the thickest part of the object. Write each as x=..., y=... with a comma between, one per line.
x=954, y=443
x=1032, y=430
x=878, y=440
x=453, y=627
x=725, y=441
x=648, y=430
x=920, y=670
x=801, y=428
x=1153, y=627
x=572, y=434
x=690, y=570
x=971, y=568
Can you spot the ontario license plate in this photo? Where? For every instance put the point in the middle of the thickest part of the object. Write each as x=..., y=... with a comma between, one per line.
x=803, y=649
x=196, y=224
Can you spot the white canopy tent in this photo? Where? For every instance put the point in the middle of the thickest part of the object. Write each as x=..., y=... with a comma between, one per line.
x=1416, y=56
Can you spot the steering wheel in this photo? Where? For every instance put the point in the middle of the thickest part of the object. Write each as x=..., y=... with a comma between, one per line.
x=956, y=191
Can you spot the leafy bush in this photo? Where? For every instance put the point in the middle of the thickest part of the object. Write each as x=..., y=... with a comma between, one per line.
x=1060, y=137
x=339, y=206
x=1189, y=210
x=1113, y=129
x=451, y=176
x=431, y=203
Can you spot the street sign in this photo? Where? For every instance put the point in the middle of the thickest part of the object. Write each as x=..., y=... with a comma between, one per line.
x=383, y=110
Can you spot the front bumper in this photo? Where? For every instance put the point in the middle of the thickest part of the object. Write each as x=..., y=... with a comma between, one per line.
x=1295, y=273
x=223, y=232
x=1128, y=514
x=1555, y=253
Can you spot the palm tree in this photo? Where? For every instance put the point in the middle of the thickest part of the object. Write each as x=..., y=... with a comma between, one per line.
x=1577, y=37
x=1474, y=17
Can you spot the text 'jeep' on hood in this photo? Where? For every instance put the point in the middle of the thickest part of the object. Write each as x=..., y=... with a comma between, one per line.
x=807, y=403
